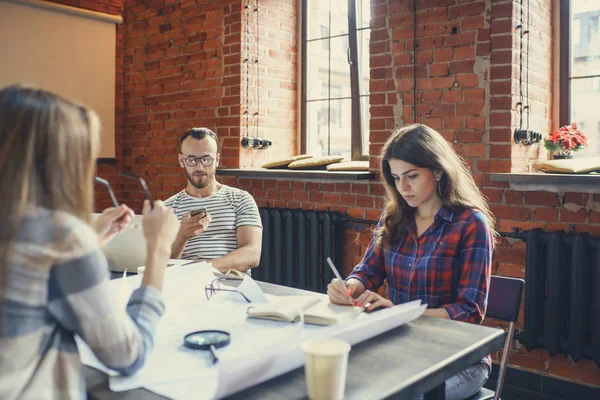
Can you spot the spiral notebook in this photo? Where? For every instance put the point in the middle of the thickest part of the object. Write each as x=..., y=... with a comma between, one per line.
x=316, y=310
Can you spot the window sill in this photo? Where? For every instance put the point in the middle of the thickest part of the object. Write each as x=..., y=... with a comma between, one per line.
x=286, y=174
x=579, y=183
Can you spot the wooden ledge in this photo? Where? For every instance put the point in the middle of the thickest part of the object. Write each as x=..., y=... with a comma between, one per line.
x=304, y=175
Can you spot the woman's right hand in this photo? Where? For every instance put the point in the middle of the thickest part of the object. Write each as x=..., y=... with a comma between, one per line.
x=338, y=294
x=160, y=225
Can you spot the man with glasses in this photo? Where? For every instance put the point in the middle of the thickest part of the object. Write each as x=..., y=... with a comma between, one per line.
x=229, y=234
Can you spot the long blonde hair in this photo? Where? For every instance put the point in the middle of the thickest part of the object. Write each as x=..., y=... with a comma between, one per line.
x=47, y=159
x=426, y=148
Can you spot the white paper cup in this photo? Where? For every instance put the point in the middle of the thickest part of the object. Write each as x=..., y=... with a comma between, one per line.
x=325, y=369
x=141, y=270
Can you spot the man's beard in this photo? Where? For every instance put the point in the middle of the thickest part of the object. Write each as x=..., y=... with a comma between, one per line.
x=199, y=184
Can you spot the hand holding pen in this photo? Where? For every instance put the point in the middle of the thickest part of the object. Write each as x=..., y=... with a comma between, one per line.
x=345, y=288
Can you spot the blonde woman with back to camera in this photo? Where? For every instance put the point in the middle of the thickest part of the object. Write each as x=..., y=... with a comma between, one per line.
x=434, y=241
x=53, y=274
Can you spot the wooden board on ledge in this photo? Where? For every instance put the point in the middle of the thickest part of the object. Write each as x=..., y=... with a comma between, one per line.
x=569, y=166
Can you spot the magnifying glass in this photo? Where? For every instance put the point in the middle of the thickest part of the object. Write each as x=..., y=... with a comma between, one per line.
x=207, y=340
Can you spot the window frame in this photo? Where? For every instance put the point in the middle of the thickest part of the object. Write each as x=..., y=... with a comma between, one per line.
x=356, y=146
x=565, y=77
x=565, y=62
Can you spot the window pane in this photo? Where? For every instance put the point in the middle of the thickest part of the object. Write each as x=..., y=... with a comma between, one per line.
x=317, y=69
x=585, y=97
x=339, y=17
x=364, y=121
x=363, y=14
x=317, y=19
x=327, y=81
x=340, y=69
x=364, y=38
x=317, y=129
x=341, y=128
x=585, y=37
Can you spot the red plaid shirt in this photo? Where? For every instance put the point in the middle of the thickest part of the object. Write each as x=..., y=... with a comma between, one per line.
x=448, y=266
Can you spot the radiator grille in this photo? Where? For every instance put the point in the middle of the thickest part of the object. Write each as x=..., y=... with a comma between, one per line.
x=295, y=245
x=562, y=294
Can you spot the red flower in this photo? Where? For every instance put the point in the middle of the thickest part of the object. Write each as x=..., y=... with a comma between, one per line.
x=569, y=137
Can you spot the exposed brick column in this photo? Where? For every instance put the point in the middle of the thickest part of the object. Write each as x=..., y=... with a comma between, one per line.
x=453, y=67
x=273, y=82
x=509, y=76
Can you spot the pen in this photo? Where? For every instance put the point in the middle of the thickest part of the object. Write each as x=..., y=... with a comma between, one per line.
x=338, y=276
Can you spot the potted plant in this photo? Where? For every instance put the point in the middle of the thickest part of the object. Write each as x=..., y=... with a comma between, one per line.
x=565, y=140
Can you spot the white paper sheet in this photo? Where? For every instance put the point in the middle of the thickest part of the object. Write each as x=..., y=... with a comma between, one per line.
x=278, y=358
x=259, y=349
x=251, y=290
x=183, y=288
x=247, y=286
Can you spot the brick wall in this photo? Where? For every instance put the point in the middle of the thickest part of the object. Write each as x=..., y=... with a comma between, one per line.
x=533, y=81
x=109, y=171
x=183, y=67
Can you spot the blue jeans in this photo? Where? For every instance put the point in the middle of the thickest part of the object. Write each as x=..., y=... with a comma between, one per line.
x=466, y=383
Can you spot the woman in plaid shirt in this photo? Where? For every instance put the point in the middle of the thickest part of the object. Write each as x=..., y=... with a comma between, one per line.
x=434, y=241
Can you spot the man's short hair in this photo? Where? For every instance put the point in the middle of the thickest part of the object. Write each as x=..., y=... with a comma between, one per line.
x=199, y=133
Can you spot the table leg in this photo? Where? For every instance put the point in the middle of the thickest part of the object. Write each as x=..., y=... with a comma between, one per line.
x=437, y=393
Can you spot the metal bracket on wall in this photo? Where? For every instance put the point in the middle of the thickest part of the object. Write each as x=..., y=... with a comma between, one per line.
x=527, y=136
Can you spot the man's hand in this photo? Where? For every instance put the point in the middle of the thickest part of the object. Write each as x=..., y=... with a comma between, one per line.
x=192, y=226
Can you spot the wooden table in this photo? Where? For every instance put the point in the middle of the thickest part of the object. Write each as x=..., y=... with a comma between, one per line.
x=402, y=363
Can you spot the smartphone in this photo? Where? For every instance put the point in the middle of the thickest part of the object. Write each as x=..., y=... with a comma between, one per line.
x=201, y=210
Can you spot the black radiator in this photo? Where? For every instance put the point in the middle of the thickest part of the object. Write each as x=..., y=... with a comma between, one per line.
x=562, y=294
x=295, y=246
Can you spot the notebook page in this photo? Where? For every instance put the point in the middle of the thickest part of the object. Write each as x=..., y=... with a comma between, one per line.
x=285, y=306
x=326, y=313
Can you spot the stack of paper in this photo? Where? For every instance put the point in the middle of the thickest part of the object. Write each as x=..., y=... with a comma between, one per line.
x=259, y=349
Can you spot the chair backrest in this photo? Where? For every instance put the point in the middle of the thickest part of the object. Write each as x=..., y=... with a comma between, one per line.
x=504, y=299
x=127, y=250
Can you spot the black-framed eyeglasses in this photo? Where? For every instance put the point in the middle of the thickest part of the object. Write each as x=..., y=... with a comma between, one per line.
x=192, y=161
x=215, y=286
x=110, y=191
x=143, y=183
x=128, y=175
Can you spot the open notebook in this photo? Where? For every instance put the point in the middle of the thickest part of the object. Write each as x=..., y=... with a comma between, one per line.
x=316, y=310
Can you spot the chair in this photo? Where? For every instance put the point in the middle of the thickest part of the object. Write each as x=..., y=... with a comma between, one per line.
x=504, y=301
x=127, y=250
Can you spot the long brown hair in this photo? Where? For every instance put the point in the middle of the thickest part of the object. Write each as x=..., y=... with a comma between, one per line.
x=424, y=147
x=47, y=159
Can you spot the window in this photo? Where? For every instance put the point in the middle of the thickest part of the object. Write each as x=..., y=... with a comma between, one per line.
x=335, y=78
x=580, y=69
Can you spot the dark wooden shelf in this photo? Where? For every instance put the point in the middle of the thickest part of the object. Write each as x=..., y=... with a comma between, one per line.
x=107, y=160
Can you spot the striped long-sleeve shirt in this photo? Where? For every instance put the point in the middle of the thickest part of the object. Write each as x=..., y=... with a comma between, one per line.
x=58, y=287
x=448, y=266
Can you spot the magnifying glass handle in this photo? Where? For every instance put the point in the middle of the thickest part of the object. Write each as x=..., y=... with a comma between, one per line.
x=213, y=351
